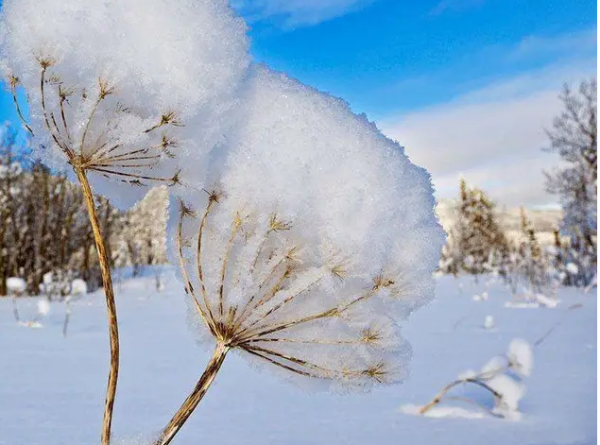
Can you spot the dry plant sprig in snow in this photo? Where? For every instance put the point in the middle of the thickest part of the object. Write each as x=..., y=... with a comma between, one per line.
x=492, y=378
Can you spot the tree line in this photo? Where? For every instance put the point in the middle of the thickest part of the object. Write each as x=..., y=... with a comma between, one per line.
x=44, y=226
x=477, y=243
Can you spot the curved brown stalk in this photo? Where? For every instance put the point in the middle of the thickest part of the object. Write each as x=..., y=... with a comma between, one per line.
x=190, y=404
x=111, y=308
x=438, y=398
x=13, y=88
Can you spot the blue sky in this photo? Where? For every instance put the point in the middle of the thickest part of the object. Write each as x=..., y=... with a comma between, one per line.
x=466, y=85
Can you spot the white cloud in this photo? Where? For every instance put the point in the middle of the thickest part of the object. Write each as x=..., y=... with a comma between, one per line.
x=493, y=136
x=296, y=13
x=582, y=42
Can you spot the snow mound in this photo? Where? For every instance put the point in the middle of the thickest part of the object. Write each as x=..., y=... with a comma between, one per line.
x=510, y=394
x=520, y=356
x=481, y=297
x=16, y=286
x=489, y=322
x=43, y=307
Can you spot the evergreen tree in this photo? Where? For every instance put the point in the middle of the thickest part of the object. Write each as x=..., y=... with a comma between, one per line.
x=485, y=241
x=476, y=243
x=531, y=256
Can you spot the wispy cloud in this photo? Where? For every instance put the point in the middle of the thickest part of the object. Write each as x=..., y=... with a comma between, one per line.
x=297, y=13
x=449, y=5
x=492, y=136
x=574, y=43
x=523, y=62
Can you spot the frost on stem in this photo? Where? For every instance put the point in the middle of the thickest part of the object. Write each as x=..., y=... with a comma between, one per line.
x=110, y=86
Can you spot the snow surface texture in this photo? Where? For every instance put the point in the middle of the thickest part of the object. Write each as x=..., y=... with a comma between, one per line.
x=125, y=66
x=288, y=262
x=63, y=404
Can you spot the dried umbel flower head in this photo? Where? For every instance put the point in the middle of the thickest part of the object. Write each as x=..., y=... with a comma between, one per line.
x=256, y=287
x=110, y=84
x=319, y=239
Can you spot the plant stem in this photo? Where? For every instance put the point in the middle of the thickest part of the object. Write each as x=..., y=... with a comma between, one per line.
x=438, y=398
x=111, y=308
x=15, y=309
x=67, y=317
x=190, y=404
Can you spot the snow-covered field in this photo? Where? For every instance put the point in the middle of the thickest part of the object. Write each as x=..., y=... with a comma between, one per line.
x=52, y=388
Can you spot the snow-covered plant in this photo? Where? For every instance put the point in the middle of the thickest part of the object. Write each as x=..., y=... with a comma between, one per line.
x=489, y=322
x=57, y=284
x=78, y=289
x=43, y=309
x=501, y=377
x=111, y=86
x=16, y=287
x=318, y=239
x=483, y=296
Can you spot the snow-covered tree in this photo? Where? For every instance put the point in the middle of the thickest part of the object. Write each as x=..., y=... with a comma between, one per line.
x=10, y=189
x=574, y=138
x=534, y=265
x=477, y=242
x=142, y=237
x=43, y=224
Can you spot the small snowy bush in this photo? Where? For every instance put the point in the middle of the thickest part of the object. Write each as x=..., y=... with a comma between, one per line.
x=520, y=357
x=57, y=284
x=484, y=296
x=16, y=286
x=489, y=322
x=79, y=287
